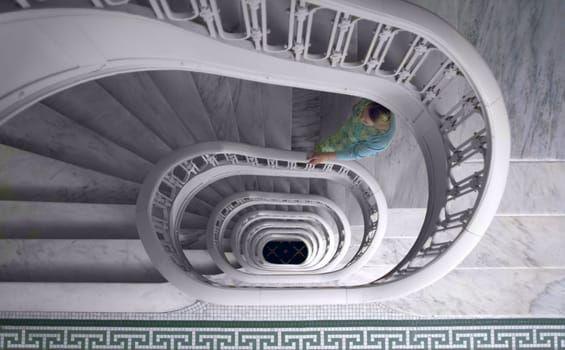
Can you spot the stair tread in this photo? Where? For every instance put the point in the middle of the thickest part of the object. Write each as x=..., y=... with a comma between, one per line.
x=109, y=119
x=41, y=130
x=51, y=220
x=277, y=111
x=216, y=96
x=59, y=181
x=70, y=260
x=181, y=93
x=139, y=94
x=100, y=297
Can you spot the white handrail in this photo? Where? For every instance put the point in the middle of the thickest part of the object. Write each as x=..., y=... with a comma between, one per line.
x=64, y=62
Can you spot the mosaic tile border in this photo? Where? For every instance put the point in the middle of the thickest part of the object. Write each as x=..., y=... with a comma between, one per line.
x=343, y=335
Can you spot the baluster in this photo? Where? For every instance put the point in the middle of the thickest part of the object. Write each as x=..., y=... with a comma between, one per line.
x=474, y=145
x=256, y=34
x=161, y=225
x=339, y=52
x=291, y=27
x=464, y=109
x=182, y=16
x=454, y=220
x=208, y=16
x=301, y=15
x=97, y=3
x=162, y=200
x=343, y=171
x=251, y=160
x=469, y=184
x=191, y=168
x=272, y=163
x=412, y=60
x=211, y=159
x=439, y=81
x=23, y=4
x=383, y=38
x=333, y=33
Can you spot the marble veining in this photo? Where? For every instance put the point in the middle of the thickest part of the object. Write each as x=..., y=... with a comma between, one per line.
x=483, y=292
x=216, y=95
x=110, y=119
x=522, y=42
x=58, y=181
x=41, y=130
x=138, y=93
x=66, y=260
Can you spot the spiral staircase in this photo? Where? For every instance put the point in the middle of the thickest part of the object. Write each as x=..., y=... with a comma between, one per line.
x=156, y=150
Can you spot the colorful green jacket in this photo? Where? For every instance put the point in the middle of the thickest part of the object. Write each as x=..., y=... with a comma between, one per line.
x=355, y=140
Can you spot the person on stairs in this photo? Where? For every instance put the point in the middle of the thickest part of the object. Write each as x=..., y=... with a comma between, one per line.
x=367, y=131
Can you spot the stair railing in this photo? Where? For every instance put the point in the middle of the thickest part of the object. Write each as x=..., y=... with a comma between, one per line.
x=461, y=115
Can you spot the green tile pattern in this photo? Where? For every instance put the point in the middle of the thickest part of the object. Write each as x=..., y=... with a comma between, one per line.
x=279, y=335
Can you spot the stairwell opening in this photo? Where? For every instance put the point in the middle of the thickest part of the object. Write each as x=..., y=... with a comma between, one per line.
x=283, y=252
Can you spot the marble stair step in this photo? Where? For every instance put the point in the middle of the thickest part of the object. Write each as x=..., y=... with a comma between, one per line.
x=194, y=239
x=248, y=111
x=282, y=185
x=209, y=196
x=181, y=93
x=199, y=207
x=109, y=119
x=299, y=186
x=277, y=112
x=193, y=221
x=306, y=109
x=27, y=176
x=75, y=260
x=41, y=130
x=216, y=96
x=201, y=260
x=45, y=220
x=92, y=297
x=141, y=96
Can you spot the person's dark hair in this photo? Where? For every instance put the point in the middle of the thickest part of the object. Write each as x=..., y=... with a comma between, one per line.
x=375, y=110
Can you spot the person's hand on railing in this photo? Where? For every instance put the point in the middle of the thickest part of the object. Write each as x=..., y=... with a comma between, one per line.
x=321, y=157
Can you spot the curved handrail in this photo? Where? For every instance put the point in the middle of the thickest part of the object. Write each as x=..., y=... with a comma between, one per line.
x=175, y=180
x=104, y=58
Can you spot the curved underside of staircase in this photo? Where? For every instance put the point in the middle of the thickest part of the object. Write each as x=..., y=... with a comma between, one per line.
x=78, y=143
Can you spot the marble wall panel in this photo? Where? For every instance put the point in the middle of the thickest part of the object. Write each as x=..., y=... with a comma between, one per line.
x=521, y=42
